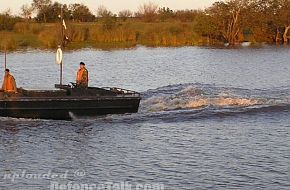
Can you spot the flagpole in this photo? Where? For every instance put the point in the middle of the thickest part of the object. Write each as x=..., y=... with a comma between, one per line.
x=62, y=44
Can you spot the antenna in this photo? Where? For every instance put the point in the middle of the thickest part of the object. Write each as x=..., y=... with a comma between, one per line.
x=5, y=58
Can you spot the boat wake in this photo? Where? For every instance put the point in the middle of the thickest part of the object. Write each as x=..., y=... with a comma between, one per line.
x=192, y=98
x=186, y=102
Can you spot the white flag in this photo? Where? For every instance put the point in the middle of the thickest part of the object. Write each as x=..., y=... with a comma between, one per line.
x=64, y=25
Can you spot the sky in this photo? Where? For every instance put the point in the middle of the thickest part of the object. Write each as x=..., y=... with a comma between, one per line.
x=114, y=5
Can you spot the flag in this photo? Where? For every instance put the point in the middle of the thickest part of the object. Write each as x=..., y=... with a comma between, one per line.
x=64, y=25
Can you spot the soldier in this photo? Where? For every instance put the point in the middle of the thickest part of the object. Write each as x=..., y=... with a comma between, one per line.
x=9, y=84
x=82, y=76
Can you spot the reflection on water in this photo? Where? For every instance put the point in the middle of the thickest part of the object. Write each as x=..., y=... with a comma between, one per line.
x=209, y=119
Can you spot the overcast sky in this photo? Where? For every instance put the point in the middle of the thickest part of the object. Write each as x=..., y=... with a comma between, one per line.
x=114, y=5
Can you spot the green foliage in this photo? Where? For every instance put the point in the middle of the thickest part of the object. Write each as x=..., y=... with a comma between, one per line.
x=50, y=12
x=205, y=26
x=81, y=13
x=267, y=19
x=7, y=21
x=232, y=21
x=42, y=6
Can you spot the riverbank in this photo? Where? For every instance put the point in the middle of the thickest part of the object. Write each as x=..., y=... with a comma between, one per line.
x=103, y=35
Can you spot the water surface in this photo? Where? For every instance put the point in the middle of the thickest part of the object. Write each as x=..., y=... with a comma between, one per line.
x=209, y=119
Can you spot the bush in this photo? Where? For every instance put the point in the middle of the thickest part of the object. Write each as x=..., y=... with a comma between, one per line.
x=7, y=22
x=109, y=23
x=148, y=12
x=7, y=41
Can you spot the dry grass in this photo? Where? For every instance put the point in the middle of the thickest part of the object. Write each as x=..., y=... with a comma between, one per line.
x=7, y=42
x=103, y=34
x=50, y=37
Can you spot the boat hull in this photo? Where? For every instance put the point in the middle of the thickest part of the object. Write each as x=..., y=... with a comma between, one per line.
x=67, y=108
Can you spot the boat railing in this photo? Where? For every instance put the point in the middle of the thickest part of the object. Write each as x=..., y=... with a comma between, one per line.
x=114, y=90
x=122, y=91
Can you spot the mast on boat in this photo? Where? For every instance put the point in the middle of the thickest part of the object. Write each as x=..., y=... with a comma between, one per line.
x=62, y=43
x=61, y=46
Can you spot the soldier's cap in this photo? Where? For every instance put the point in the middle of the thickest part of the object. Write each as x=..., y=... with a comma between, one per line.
x=82, y=63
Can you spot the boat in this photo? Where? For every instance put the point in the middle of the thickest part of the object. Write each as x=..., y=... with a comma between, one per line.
x=67, y=102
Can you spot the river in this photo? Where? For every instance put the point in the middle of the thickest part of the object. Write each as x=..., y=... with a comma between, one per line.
x=210, y=118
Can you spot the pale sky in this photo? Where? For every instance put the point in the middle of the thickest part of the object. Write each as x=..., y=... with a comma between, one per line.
x=114, y=5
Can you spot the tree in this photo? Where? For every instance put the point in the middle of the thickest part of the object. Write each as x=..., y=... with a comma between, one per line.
x=108, y=18
x=186, y=15
x=125, y=14
x=227, y=16
x=205, y=26
x=272, y=16
x=81, y=13
x=7, y=12
x=148, y=11
x=7, y=21
x=52, y=12
x=264, y=21
x=103, y=12
x=165, y=13
x=284, y=17
x=26, y=11
x=41, y=6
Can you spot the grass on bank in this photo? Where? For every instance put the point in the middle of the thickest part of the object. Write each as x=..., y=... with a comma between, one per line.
x=103, y=35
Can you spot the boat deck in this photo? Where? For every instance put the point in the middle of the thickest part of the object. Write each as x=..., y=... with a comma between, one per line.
x=66, y=92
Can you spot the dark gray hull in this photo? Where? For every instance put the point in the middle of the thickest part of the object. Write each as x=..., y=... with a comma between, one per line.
x=66, y=105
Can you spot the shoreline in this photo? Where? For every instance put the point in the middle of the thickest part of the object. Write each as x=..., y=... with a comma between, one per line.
x=121, y=35
x=113, y=47
x=69, y=50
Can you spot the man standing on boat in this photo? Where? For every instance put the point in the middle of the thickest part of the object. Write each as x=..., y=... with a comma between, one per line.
x=9, y=84
x=82, y=76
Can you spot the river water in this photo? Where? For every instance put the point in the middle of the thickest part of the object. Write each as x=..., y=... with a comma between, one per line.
x=209, y=119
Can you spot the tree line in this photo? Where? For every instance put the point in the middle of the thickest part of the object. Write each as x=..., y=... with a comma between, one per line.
x=229, y=21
